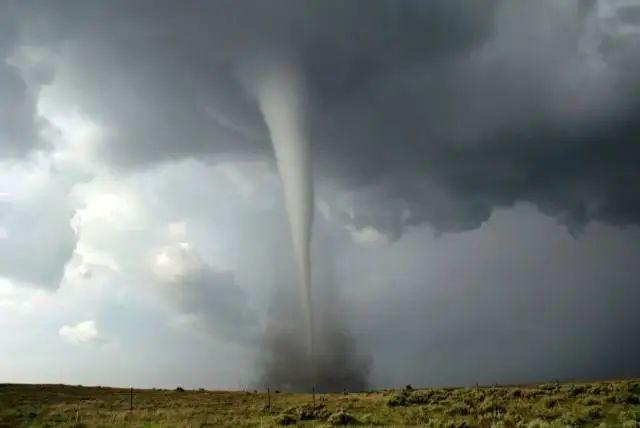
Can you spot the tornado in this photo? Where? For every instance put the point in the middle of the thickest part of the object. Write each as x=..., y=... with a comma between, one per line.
x=281, y=98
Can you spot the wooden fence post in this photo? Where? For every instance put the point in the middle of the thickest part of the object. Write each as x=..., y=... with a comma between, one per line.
x=269, y=398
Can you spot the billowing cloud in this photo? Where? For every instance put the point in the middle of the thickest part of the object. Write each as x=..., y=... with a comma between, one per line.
x=18, y=127
x=35, y=213
x=83, y=332
x=210, y=299
x=438, y=112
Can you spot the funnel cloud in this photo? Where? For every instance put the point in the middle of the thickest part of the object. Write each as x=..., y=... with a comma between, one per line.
x=281, y=99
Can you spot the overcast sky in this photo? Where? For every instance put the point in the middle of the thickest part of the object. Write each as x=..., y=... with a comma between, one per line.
x=476, y=191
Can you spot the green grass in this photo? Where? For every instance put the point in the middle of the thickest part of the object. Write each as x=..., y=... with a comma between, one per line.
x=596, y=404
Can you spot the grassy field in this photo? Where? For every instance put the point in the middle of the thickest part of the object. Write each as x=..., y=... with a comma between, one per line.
x=610, y=404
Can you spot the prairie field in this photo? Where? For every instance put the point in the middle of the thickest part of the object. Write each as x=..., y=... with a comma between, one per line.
x=592, y=404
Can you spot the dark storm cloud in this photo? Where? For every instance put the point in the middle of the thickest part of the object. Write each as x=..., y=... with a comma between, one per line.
x=19, y=125
x=516, y=300
x=212, y=302
x=35, y=247
x=443, y=110
x=525, y=117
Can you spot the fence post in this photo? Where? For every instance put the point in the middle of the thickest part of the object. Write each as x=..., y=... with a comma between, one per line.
x=269, y=398
x=131, y=398
x=313, y=394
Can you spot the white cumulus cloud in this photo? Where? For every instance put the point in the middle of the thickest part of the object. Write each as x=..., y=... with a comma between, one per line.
x=82, y=332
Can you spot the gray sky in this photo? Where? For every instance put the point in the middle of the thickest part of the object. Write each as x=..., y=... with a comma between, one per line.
x=476, y=179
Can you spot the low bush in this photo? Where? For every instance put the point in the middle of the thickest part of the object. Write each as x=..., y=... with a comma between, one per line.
x=457, y=424
x=547, y=414
x=594, y=412
x=285, y=419
x=342, y=418
x=517, y=393
x=309, y=412
x=629, y=415
x=399, y=399
x=459, y=409
x=623, y=398
x=538, y=423
x=597, y=389
x=548, y=387
x=575, y=390
x=572, y=419
x=420, y=397
x=550, y=402
x=492, y=406
x=590, y=401
x=434, y=422
x=437, y=397
x=369, y=419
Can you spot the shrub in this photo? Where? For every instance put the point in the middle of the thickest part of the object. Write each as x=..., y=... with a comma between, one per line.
x=308, y=412
x=572, y=419
x=533, y=393
x=629, y=415
x=500, y=392
x=550, y=402
x=469, y=401
x=415, y=416
x=623, y=398
x=486, y=419
x=285, y=419
x=399, y=399
x=548, y=414
x=420, y=397
x=180, y=389
x=517, y=393
x=492, y=406
x=538, y=423
x=548, y=387
x=459, y=409
x=342, y=418
x=512, y=420
x=590, y=401
x=594, y=412
x=435, y=408
x=369, y=419
x=457, y=424
x=434, y=422
x=576, y=390
x=438, y=397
